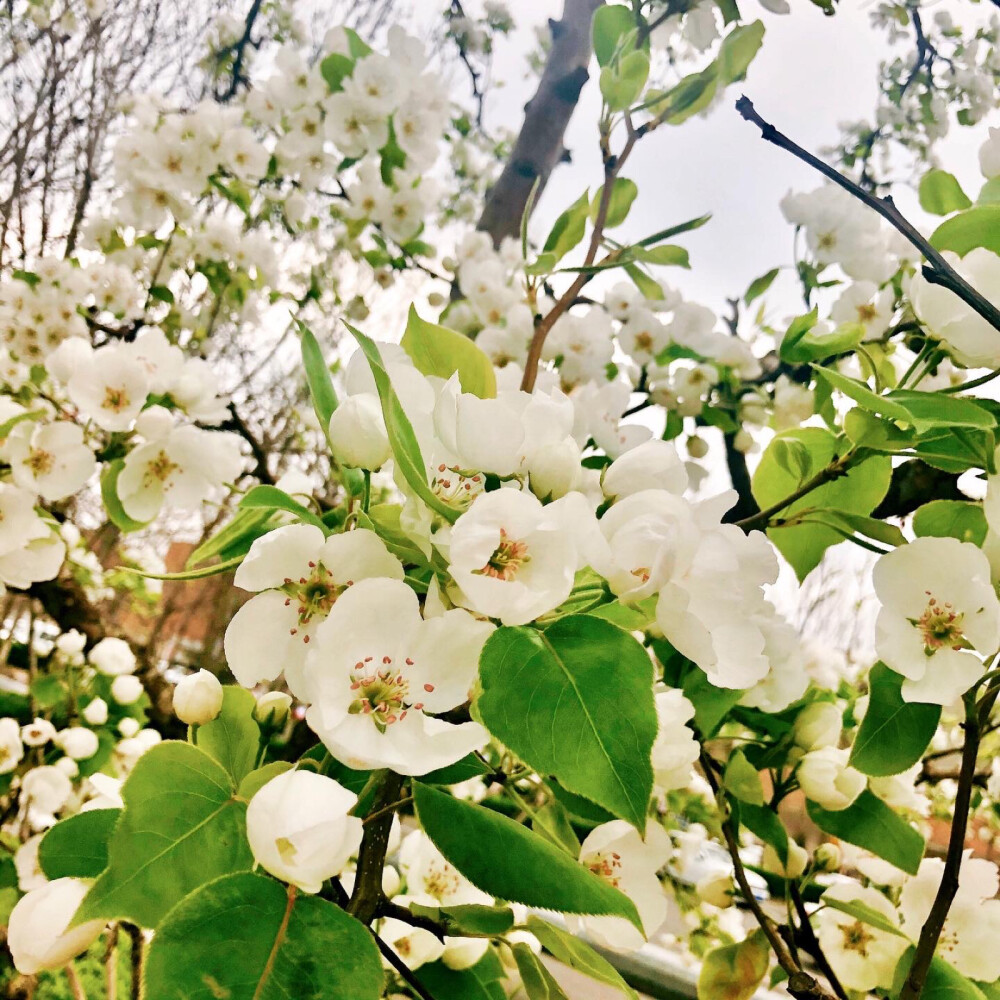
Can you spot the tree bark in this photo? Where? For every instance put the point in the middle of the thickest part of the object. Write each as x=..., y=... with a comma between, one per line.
x=539, y=146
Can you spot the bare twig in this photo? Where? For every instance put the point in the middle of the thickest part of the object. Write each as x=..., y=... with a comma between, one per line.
x=937, y=270
x=367, y=895
x=403, y=969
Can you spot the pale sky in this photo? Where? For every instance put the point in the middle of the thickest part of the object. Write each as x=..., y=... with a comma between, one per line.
x=812, y=72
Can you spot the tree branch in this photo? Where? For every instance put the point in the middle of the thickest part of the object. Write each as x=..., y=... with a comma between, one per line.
x=367, y=895
x=937, y=271
x=930, y=933
x=539, y=145
x=405, y=972
x=800, y=984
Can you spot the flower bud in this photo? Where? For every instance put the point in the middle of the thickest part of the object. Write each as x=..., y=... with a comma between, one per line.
x=826, y=778
x=697, y=447
x=96, y=712
x=827, y=858
x=78, y=742
x=128, y=727
x=38, y=934
x=652, y=465
x=796, y=865
x=357, y=433
x=717, y=889
x=67, y=766
x=818, y=725
x=126, y=689
x=198, y=698
x=113, y=657
x=271, y=711
x=299, y=829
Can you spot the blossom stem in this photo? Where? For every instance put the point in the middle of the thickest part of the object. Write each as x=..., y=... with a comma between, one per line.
x=371, y=857
x=975, y=383
x=930, y=933
x=800, y=984
x=405, y=972
x=366, y=496
x=937, y=270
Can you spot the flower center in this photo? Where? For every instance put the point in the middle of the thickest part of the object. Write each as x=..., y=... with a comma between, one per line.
x=941, y=626
x=115, y=399
x=40, y=461
x=507, y=559
x=606, y=866
x=456, y=487
x=159, y=469
x=314, y=595
x=867, y=312
x=382, y=692
x=856, y=937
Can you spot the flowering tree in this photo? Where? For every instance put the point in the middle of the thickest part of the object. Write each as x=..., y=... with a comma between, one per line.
x=506, y=667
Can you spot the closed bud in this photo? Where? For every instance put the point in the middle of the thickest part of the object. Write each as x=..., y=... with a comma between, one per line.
x=795, y=865
x=818, y=725
x=198, y=698
x=78, y=742
x=357, y=433
x=827, y=858
x=38, y=934
x=826, y=778
x=697, y=447
x=96, y=712
x=717, y=889
x=271, y=711
x=126, y=689
x=299, y=828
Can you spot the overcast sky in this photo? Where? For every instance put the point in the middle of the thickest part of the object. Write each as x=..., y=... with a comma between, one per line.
x=812, y=72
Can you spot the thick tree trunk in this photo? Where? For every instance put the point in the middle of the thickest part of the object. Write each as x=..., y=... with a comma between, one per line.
x=539, y=146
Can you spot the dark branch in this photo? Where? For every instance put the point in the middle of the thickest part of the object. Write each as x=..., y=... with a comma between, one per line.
x=937, y=270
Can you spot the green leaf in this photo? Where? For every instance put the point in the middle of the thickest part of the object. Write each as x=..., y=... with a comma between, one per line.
x=405, y=449
x=536, y=687
x=857, y=492
x=649, y=287
x=536, y=980
x=893, y=733
x=233, y=738
x=246, y=937
x=978, y=227
x=190, y=574
x=510, y=862
x=742, y=780
x=568, y=229
x=665, y=255
x=850, y=525
x=552, y=821
x=941, y=194
x=765, y=824
x=943, y=982
x=436, y=350
x=621, y=83
x=77, y=847
x=271, y=498
x=862, y=395
x=951, y=519
x=233, y=539
x=864, y=913
x=181, y=828
x=869, y=823
x=610, y=24
x=480, y=982
x=469, y=919
x=734, y=971
x=578, y=955
x=623, y=193
x=932, y=409
x=683, y=227
x=989, y=193
x=109, y=494
x=253, y=782
x=760, y=285
x=738, y=50
x=321, y=391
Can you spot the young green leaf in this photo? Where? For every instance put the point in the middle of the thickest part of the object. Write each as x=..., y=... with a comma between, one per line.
x=536, y=980
x=869, y=823
x=233, y=738
x=271, y=498
x=893, y=733
x=536, y=685
x=436, y=350
x=77, y=847
x=941, y=194
x=405, y=448
x=200, y=837
x=734, y=971
x=246, y=936
x=109, y=494
x=568, y=229
x=510, y=862
x=951, y=519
